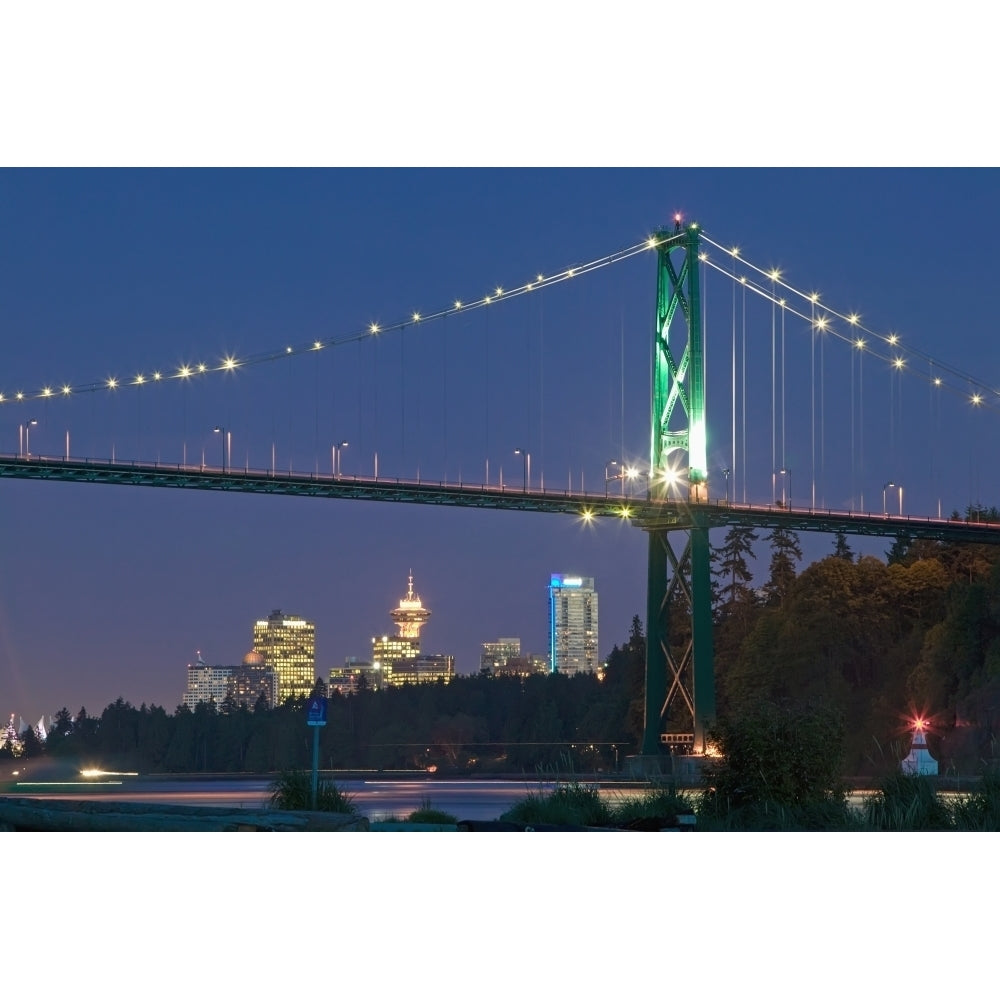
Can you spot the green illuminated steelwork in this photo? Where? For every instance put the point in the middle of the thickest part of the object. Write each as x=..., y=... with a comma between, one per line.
x=680, y=682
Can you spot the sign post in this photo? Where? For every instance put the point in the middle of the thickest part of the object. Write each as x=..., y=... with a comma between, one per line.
x=316, y=718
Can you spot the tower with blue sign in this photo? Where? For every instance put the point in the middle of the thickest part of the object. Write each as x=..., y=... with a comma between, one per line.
x=572, y=624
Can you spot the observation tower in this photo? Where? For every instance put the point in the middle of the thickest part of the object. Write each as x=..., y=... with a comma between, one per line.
x=411, y=615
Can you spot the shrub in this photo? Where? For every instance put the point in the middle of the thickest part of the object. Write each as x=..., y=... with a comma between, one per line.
x=789, y=756
x=565, y=805
x=980, y=809
x=427, y=814
x=906, y=802
x=292, y=790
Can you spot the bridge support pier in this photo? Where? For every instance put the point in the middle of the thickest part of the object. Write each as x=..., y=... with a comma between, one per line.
x=680, y=677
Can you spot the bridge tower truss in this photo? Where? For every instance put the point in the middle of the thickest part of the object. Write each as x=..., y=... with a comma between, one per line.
x=680, y=683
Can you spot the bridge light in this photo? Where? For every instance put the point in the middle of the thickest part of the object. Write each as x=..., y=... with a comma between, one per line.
x=416, y=317
x=201, y=368
x=893, y=339
x=703, y=256
x=20, y=396
x=46, y=391
x=898, y=363
x=539, y=277
x=157, y=376
x=487, y=299
x=937, y=381
x=775, y=274
x=860, y=343
x=821, y=322
x=735, y=251
x=373, y=328
x=66, y=390
x=112, y=383
x=587, y=515
x=288, y=350
x=317, y=345
x=499, y=291
x=184, y=371
x=139, y=379
x=651, y=242
x=229, y=363
x=571, y=272
x=976, y=399
x=458, y=304
x=853, y=319
x=3, y=398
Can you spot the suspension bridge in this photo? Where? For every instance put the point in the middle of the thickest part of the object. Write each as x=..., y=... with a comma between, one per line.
x=722, y=328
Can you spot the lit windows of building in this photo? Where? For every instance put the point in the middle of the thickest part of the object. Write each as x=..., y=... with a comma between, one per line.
x=205, y=683
x=397, y=658
x=572, y=624
x=356, y=675
x=496, y=654
x=241, y=685
x=288, y=645
x=423, y=670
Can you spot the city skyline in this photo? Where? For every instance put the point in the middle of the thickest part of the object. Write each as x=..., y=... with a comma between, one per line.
x=119, y=569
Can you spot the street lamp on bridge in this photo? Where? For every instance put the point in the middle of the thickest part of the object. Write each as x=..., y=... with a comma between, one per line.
x=786, y=497
x=336, y=458
x=227, y=447
x=525, y=468
x=23, y=446
x=726, y=473
x=890, y=486
x=608, y=479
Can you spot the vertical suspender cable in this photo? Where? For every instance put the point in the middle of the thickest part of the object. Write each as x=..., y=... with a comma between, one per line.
x=784, y=457
x=861, y=427
x=812, y=406
x=744, y=348
x=732, y=469
x=774, y=390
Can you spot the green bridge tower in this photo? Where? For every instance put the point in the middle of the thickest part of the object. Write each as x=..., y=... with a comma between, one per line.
x=680, y=684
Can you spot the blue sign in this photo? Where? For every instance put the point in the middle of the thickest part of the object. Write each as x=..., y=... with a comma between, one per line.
x=317, y=712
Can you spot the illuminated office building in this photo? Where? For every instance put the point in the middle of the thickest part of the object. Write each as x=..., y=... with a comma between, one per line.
x=572, y=624
x=242, y=684
x=288, y=645
x=397, y=659
x=496, y=654
x=411, y=616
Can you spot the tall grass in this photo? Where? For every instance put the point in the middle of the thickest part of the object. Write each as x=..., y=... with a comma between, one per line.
x=292, y=790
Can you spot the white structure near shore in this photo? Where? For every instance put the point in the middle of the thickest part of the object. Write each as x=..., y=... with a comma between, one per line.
x=919, y=759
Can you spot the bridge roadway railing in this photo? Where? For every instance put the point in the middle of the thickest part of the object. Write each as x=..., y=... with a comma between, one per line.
x=649, y=514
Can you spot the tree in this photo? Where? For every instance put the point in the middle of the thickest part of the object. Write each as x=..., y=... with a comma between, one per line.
x=788, y=755
x=732, y=571
x=841, y=549
x=785, y=550
x=900, y=551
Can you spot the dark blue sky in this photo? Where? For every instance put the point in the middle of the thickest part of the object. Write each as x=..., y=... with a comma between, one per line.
x=109, y=591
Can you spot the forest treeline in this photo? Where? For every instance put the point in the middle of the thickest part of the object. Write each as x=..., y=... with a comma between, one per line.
x=876, y=641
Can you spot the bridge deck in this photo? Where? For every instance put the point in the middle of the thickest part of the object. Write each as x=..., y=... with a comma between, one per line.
x=651, y=515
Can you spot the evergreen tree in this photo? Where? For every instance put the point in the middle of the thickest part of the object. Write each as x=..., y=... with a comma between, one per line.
x=732, y=571
x=841, y=549
x=900, y=551
x=785, y=550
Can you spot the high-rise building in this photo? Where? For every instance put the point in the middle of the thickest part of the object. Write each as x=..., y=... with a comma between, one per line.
x=496, y=654
x=397, y=658
x=288, y=645
x=411, y=616
x=243, y=684
x=572, y=624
